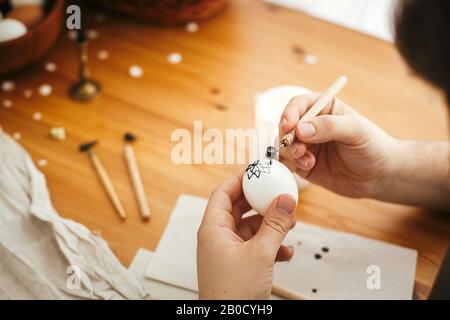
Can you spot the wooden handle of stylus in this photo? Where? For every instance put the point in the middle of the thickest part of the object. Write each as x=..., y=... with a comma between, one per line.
x=137, y=181
x=317, y=107
x=107, y=184
x=286, y=293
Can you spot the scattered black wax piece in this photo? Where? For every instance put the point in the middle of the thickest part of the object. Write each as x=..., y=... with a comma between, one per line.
x=318, y=256
x=215, y=90
x=273, y=7
x=221, y=107
x=314, y=290
x=298, y=50
x=325, y=249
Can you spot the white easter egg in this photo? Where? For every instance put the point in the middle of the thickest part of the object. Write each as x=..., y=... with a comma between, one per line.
x=264, y=181
x=11, y=29
x=19, y=3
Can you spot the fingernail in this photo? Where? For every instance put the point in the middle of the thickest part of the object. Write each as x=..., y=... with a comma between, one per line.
x=293, y=252
x=283, y=122
x=293, y=148
x=286, y=204
x=304, y=161
x=307, y=130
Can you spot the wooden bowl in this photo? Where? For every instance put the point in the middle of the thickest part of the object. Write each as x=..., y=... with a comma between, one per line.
x=22, y=51
x=166, y=12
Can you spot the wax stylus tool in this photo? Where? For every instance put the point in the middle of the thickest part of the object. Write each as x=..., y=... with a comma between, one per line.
x=317, y=108
x=271, y=152
x=104, y=178
x=135, y=175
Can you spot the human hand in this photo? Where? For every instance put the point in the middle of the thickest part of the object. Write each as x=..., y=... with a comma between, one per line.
x=339, y=149
x=235, y=256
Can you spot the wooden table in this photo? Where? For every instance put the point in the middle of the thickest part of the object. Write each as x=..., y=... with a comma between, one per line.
x=245, y=50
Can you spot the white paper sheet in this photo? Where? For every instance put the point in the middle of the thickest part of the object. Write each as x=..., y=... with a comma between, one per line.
x=341, y=273
x=174, y=261
x=158, y=290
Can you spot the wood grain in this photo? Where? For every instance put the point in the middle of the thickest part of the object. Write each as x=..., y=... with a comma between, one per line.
x=247, y=49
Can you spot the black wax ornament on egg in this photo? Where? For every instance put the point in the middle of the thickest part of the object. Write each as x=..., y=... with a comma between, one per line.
x=257, y=168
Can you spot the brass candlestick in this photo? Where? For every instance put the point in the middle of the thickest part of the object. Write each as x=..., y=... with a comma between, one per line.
x=85, y=89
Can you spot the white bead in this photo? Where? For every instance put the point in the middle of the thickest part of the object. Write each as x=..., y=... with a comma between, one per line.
x=17, y=136
x=135, y=71
x=192, y=27
x=42, y=163
x=8, y=86
x=7, y=104
x=50, y=67
x=92, y=34
x=103, y=55
x=28, y=93
x=58, y=133
x=71, y=35
x=311, y=59
x=37, y=116
x=174, y=58
x=45, y=90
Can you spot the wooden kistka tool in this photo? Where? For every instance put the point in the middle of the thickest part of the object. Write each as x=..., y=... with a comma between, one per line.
x=104, y=178
x=286, y=293
x=317, y=108
x=135, y=175
x=285, y=141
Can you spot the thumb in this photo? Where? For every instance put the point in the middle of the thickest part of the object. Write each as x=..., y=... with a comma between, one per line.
x=276, y=224
x=325, y=128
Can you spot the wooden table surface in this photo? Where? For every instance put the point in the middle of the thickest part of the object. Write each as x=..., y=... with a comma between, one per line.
x=245, y=50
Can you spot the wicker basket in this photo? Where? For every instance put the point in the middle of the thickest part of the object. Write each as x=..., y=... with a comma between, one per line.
x=166, y=12
x=22, y=51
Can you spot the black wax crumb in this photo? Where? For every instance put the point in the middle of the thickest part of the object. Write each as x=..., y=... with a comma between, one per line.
x=318, y=256
x=272, y=7
x=221, y=107
x=325, y=249
x=298, y=50
x=314, y=290
x=215, y=90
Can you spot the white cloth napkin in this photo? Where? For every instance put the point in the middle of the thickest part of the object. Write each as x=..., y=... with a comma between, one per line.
x=43, y=256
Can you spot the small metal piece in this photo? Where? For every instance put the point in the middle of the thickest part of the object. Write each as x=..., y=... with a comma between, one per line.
x=287, y=139
x=271, y=152
x=85, y=88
